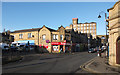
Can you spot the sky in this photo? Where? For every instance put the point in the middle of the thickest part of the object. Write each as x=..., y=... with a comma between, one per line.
x=25, y=15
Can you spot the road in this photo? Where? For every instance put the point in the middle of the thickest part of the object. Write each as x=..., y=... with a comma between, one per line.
x=49, y=63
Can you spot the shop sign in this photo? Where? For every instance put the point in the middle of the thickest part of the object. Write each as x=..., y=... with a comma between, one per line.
x=62, y=43
x=68, y=43
x=55, y=43
x=58, y=43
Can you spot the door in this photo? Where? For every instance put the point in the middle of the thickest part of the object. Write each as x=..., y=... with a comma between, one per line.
x=118, y=51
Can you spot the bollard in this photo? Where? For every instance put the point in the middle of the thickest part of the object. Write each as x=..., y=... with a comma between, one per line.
x=98, y=54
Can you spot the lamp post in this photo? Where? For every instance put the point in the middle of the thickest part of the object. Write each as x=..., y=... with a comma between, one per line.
x=106, y=41
x=88, y=41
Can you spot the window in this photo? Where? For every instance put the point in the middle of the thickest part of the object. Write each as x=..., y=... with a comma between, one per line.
x=74, y=21
x=81, y=27
x=84, y=31
x=84, y=27
x=74, y=25
x=84, y=24
x=43, y=37
x=55, y=37
x=90, y=27
x=61, y=37
x=87, y=31
x=87, y=27
x=74, y=29
x=87, y=24
x=93, y=31
x=90, y=31
x=29, y=35
x=81, y=24
x=20, y=36
x=81, y=31
x=78, y=28
x=78, y=25
x=93, y=27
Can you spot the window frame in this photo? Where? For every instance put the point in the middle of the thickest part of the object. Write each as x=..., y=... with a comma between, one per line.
x=43, y=38
x=29, y=36
x=61, y=38
x=55, y=36
x=20, y=36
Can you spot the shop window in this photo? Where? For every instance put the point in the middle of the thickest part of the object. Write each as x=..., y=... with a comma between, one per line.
x=20, y=36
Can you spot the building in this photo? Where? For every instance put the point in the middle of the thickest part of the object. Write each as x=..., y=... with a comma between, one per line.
x=84, y=27
x=23, y=36
x=114, y=34
x=103, y=39
x=50, y=39
x=5, y=37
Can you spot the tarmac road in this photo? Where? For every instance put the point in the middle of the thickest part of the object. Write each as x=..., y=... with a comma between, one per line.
x=50, y=63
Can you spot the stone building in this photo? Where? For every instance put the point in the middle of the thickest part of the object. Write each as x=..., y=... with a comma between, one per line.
x=114, y=34
x=23, y=36
x=50, y=39
x=84, y=27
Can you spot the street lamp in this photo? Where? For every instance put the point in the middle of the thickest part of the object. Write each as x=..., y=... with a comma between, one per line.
x=105, y=24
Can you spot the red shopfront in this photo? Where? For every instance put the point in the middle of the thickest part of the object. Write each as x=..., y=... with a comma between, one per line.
x=60, y=46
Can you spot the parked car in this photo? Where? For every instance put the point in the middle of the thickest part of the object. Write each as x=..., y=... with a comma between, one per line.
x=21, y=48
x=29, y=48
x=13, y=48
x=91, y=50
x=4, y=46
x=104, y=47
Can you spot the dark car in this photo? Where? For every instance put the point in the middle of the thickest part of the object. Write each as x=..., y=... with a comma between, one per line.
x=13, y=48
x=91, y=50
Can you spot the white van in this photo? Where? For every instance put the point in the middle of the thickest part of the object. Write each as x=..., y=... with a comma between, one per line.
x=4, y=46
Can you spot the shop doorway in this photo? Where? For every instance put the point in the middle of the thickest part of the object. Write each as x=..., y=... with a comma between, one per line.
x=61, y=48
x=118, y=51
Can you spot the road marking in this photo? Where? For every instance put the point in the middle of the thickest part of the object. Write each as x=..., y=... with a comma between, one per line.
x=86, y=64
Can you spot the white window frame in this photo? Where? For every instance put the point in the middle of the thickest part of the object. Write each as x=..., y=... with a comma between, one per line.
x=29, y=35
x=84, y=28
x=87, y=27
x=43, y=37
x=61, y=37
x=81, y=31
x=55, y=37
x=20, y=36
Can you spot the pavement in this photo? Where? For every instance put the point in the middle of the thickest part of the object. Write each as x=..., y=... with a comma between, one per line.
x=100, y=65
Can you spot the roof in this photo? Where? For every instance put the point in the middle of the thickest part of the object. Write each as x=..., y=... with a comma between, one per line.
x=113, y=6
x=26, y=30
x=50, y=29
x=87, y=23
x=74, y=18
